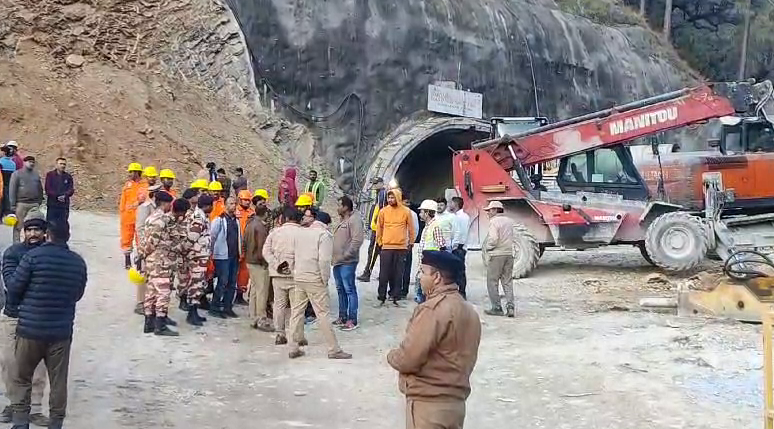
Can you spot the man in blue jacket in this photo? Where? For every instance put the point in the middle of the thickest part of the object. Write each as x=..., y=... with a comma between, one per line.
x=34, y=235
x=48, y=282
x=226, y=249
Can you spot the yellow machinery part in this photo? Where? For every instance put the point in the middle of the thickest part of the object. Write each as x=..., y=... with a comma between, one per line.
x=744, y=301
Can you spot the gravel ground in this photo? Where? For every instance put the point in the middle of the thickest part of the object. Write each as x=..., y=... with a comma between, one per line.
x=579, y=355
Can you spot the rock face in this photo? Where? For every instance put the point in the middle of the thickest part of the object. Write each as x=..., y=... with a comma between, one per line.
x=316, y=53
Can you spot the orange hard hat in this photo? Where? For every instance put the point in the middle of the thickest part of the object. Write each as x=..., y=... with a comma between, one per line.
x=245, y=195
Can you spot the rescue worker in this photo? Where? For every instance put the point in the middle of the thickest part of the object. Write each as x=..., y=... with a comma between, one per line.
x=380, y=200
x=159, y=255
x=167, y=177
x=305, y=204
x=254, y=237
x=439, y=350
x=34, y=235
x=312, y=250
x=200, y=185
x=497, y=251
x=316, y=188
x=150, y=177
x=279, y=253
x=198, y=255
x=288, y=193
x=143, y=213
x=393, y=231
x=433, y=237
x=184, y=276
x=127, y=208
x=218, y=207
x=243, y=213
x=447, y=221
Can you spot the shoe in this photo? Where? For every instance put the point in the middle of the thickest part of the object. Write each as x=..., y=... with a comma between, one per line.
x=395, y=303
x=296, y=354
x=303, y=343
x=216, y=314
x=5, y=416
x=150, y=322
x=139, y=309
x=20, y=426
x=38, y=419
x=193, y=317
x=230, y=313
x=280, y=340
x=365, y=277
x=380, y=304
x=240, y=299
x=341, y=354
x=349, y=326
x=339, y=322
x=161, y=328
x=264, y=326
x=510, y=310
x=169, y=322
x=55, y=424
x=495, y=311
x=127, y=261
x=183, y=303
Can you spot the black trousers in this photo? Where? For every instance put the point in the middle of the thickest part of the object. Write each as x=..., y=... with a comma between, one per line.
x=28, y=354
x=373, y=252
x=404, y=288
x=391, y=273
x=59, y=215
x=462, y=279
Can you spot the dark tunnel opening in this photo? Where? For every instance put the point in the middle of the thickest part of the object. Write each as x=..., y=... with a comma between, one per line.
x=426, y=172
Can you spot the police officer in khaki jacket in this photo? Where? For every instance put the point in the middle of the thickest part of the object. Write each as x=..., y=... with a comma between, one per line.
x=440, y=348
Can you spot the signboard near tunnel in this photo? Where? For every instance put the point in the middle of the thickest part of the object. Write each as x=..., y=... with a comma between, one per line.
x=455, y=102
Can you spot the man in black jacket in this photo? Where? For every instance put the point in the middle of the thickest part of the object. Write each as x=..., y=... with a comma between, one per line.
x=49, y=280
x=59, y=189
x=34, y=235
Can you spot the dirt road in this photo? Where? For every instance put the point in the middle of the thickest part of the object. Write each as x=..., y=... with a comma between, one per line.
x=570, y=359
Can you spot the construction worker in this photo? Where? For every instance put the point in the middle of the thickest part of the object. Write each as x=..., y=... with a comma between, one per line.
x=149, y=178
x=433, y=237
x=167, y=177
x=197, y=255
x=216, y=189
x=497, y=251
x=158, y=251
x=200, y=184
x=316, y=188
x=127, y=208
x=243, y=213
x=143, y=213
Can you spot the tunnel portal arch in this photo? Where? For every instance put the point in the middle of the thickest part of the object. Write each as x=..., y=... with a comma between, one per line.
x=415, y=146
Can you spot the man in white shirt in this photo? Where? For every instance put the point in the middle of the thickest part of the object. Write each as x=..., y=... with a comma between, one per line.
x=460, y=239
x=447, y=220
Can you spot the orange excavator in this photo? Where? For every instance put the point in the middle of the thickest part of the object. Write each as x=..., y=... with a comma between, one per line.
x=605, y=200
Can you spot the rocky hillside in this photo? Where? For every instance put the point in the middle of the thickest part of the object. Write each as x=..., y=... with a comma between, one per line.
x=166, y=82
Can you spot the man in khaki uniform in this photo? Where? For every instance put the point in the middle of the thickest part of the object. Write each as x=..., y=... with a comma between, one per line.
x=440, y=348
x=254, y=238
x=497, y=252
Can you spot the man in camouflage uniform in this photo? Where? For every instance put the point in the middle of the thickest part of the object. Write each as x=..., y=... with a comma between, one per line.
x=184, y=273
x=197, y=249
x=158, y=251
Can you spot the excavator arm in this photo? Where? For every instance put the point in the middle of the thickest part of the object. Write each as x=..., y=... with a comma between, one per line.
x=630, y=121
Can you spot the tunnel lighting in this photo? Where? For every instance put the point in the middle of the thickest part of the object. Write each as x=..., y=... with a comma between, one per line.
x=393, y=184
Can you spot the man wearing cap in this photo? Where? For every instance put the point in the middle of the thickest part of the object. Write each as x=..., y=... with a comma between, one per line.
x=143, y=213
x=59, y=189
x=34, y=236
x=8, y=166
x=497, y=251
x=198, y=249
x=433, y=237
x=127, y=208
x=440, y=348
x=13, y=152
x=26, y=193
x=167, y=178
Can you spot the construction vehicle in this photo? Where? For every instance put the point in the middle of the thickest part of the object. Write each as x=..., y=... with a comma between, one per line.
x=610, y=202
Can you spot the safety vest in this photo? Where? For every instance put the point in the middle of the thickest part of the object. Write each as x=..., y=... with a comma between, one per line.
x=315, y=186
x=428, y=238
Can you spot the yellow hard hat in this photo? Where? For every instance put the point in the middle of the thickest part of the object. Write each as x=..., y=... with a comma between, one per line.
x=261, y=193
x=167, y=174
x=215, y=186
x=304, y=200
x=135, y=166
x=150, y=171
x=136, y=277
x=199, y=184
x=10, y=220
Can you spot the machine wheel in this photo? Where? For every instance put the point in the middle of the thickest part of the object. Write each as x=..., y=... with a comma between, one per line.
x=644, y=253
x=526, y=251
x=676, y=241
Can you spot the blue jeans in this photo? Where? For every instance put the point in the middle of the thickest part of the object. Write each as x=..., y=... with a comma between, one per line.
x=225, y=289
x=347, y=290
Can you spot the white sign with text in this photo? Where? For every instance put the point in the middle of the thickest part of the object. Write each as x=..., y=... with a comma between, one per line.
x=455, y=102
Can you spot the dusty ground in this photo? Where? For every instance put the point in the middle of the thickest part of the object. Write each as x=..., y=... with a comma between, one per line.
x=566, y=361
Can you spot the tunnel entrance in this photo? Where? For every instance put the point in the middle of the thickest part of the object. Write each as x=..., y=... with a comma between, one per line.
x=426, y=172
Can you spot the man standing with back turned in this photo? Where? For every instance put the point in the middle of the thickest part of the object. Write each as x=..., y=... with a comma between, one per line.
x=49, y=281
x=440, y=348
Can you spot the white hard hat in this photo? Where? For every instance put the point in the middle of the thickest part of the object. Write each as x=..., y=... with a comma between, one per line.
x=12, y=143
x=494, y=205
x=429, y=205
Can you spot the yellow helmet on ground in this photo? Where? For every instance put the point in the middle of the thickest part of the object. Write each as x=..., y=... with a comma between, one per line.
x=199, y=184
x=136, y=277
x=167, y=174
x=261, y=193
x=215, y=186
x=304, y=200
x=150, y=171
x=135, y=166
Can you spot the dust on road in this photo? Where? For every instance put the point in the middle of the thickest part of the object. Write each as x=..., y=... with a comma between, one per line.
x=570, y=359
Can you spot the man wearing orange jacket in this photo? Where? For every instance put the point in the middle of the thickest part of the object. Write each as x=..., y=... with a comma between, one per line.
x=243, y=212
x=218, y=207
x=127, y=208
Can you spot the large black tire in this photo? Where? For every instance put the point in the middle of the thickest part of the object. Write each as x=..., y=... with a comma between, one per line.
x=677, y=241
x=526, y=251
